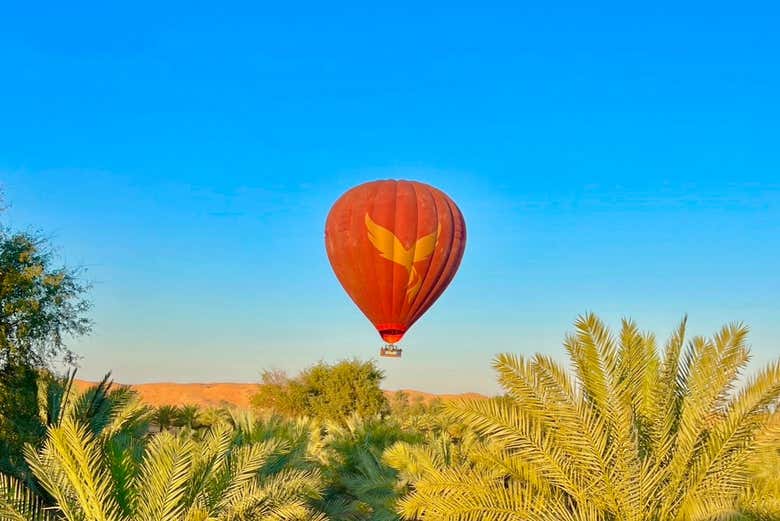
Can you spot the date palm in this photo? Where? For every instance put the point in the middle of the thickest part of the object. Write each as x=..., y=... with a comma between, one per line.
x=187, y=417
x=110, y=477
x=19, y=503
x=56, y=398
x=630, y=434
x=361, y=486
x=762, y=499
x=164, y=417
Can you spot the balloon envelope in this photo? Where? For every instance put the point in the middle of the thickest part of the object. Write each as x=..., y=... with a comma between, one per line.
x=394, y=246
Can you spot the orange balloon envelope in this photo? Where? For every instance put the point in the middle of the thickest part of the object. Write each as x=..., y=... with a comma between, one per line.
x=394, y=246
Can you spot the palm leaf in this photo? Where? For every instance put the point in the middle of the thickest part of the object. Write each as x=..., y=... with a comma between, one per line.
x=18, y=503
x=69, y=467
x=163, y=479
x=629, y=434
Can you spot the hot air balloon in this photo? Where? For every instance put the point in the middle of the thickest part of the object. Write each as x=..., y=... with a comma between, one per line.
x=394, y=247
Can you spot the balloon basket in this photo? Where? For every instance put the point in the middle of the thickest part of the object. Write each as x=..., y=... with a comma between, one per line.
x=390, y=351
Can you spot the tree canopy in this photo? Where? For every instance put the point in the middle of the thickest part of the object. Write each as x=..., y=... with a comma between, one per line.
x=41, y=304
x=329, y=392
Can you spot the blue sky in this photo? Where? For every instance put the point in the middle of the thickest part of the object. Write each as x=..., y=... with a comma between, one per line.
x=617, y=158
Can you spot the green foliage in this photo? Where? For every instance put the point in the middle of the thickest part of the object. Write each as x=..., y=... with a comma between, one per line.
x=19, y=503
x=40, y=304
x=631, y=434
x=404, y=406
x=280, y=394
x=327, y=392
x=97, y=406
x=165, y=417
x=118, y=475
x=360, y=485
x=187, y=417
x=20, y=421
x=55, y=399
x=762, y=498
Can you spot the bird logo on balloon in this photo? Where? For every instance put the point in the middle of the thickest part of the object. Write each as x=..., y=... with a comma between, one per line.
x=391, y=248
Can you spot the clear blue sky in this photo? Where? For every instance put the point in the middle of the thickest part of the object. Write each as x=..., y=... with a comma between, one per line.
x=618, y=158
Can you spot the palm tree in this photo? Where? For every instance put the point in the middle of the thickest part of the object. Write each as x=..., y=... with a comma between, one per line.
x=164, y=417
x=762, y=499
x=211, y=416
x=97, y=407
x=117, y=417
x=449, y=445
x=19, y=503
x=94, y=406
x=360, y=485
x=632, y=434
x=233, y=479
x=172, y=478
x=187, y=417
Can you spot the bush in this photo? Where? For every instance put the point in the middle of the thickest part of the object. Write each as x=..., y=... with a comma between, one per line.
x=327, y=392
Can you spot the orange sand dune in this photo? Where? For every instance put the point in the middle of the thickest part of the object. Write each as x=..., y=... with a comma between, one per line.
x=204, y=395
x=427, y=398
x=234, y=394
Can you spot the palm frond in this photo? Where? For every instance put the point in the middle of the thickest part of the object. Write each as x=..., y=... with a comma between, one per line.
x=630, y=434
x=19, y=503
x=163, y=478
x=69, y=467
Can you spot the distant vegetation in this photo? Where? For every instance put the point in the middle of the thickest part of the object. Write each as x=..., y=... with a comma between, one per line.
x=326, y=392
x=630, y=431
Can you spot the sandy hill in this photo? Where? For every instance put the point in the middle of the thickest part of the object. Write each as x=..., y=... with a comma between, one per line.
x=234, y=394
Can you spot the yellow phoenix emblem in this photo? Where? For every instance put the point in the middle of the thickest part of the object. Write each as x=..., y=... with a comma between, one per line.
x=392, y=249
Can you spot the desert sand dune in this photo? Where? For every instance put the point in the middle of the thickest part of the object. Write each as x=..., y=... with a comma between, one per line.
x=227, y=394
